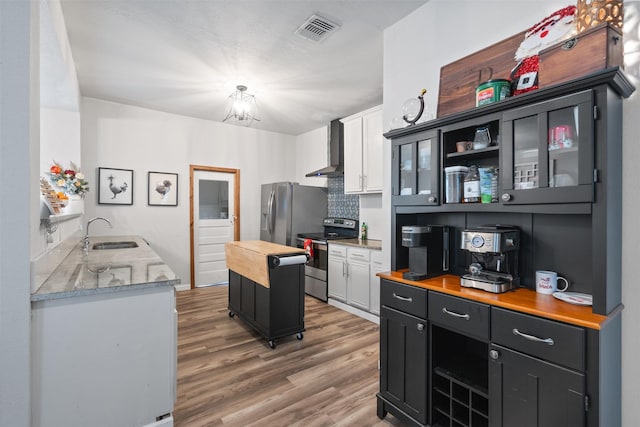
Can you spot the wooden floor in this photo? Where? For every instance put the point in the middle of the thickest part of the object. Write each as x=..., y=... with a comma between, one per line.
x=228, y=375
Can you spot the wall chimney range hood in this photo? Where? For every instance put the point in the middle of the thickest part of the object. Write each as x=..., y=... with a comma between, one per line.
x=336, y=152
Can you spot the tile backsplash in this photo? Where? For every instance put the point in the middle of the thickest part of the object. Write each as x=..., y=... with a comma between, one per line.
x=339, y=204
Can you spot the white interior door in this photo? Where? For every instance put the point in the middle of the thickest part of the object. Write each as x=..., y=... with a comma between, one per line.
x=213, y=213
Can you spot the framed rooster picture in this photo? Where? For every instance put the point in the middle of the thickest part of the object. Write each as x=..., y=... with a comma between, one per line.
x=116, y=186
x=163, y=189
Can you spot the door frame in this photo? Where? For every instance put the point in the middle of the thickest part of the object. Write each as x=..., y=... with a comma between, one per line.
x=236, y=208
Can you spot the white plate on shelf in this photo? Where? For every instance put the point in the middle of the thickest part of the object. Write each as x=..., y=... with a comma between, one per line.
x=574, y=298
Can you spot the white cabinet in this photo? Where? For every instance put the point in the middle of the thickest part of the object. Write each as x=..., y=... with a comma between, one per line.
x=358, y=277
x=374, y=281
x=352, y=276
x=363, y=152
x=104, y=359
x=337, y=274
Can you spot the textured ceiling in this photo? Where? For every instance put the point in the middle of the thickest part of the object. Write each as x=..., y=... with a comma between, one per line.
x=186, y=56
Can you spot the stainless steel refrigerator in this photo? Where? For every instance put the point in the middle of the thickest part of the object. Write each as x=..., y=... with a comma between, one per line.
x=288, y=208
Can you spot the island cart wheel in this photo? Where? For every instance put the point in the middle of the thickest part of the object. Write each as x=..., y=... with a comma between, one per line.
x=231, y=314
x=272, y=344
x=299, y=335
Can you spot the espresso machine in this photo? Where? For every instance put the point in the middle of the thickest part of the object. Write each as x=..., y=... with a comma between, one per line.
x=494, y=258
x=428, y=250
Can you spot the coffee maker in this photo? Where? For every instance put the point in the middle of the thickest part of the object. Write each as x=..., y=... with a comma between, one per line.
x=428, y=250
x=494, y=258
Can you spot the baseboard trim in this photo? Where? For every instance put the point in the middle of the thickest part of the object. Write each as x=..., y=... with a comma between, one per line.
x=353, y=310
x=182, y=287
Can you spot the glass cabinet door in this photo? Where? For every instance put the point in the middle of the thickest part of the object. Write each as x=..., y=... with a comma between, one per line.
x=415, y=180
x=424, y=166
x=548, y=151
x=407, y=186
x=525, y=153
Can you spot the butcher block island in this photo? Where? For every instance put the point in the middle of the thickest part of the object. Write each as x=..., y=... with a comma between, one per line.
x=266, y=287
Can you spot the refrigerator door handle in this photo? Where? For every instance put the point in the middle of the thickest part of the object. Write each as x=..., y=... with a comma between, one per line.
x=270, y=215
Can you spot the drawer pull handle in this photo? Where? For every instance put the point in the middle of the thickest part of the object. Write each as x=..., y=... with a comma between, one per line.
x=548, y=341
x=454, y=314
x=409, y=299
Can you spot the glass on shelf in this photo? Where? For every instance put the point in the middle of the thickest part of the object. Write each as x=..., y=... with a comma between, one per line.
x=563, y=143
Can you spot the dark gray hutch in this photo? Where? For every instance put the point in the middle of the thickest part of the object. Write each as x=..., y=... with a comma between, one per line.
x=517, y=358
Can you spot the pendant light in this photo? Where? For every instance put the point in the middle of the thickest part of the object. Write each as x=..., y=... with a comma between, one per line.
x=241, y=108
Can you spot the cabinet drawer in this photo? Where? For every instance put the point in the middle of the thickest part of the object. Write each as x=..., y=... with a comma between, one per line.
x=406, y=298
x=361, y=255
x=339, y=251
x=549, y=340
x=459, y=314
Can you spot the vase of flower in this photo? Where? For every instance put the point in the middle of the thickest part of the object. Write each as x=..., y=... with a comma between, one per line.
x=71, y=186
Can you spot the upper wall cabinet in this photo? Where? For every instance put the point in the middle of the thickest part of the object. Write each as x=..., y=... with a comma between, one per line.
x=363, y=152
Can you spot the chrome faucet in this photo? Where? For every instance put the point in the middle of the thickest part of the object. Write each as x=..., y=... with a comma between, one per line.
x=85, y=239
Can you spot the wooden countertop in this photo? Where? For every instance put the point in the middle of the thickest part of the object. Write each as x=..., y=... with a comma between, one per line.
x=249, y=258
x=521, y=299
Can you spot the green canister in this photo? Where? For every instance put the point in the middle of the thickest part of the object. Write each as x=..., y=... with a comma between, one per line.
x=492, y=91
x=486, y=180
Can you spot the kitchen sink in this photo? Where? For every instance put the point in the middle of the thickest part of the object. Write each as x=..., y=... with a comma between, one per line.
x=114, y=245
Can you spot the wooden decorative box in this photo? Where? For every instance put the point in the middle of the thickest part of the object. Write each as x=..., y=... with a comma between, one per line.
x=590, y=51
x=459, y=79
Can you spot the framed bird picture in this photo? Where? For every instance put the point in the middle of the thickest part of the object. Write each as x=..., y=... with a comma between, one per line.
x=115, y=186
x=163, y=189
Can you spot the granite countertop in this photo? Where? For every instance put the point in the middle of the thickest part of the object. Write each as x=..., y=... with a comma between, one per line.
x=365, y=244
x=106, y=270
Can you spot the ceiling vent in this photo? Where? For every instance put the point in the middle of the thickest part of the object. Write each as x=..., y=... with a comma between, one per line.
x=317, y=28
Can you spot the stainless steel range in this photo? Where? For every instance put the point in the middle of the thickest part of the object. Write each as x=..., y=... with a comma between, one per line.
x=315, y=244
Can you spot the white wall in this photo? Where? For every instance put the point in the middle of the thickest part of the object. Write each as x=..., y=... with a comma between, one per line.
x=60, y=142
x=311, y=155
x=19, y=114
x=374, y=213
x=59, y=129
x=125, y=137
x=443, y=31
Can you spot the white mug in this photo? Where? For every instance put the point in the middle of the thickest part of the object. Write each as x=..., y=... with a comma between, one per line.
x=547, y=282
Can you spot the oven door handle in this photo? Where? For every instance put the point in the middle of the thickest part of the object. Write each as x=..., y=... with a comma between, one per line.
x=315, y=242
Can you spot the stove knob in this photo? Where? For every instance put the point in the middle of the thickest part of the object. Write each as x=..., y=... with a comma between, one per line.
x=506, y=197
x=494, y=354
x=420, y=326
x=432, y=199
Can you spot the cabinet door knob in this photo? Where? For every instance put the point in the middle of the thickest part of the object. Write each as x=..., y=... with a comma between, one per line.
x=421, y=326
x=431, y=199
x=506, y=197
x=494, y=354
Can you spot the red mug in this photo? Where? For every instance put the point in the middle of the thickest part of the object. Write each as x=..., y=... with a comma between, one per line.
x=560, y=137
